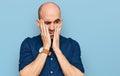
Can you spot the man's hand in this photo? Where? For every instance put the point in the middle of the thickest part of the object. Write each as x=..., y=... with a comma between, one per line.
x=55, y=45
x=44, y=35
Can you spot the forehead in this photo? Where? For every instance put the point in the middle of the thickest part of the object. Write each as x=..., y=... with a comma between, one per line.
x=50, y=17
x=50, y=12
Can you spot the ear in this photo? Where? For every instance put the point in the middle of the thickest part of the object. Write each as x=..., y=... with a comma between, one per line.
x=38, y=22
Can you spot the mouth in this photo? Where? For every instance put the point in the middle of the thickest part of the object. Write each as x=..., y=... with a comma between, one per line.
x=51, y=34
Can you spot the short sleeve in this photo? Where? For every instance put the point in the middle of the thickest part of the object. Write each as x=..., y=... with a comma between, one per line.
x=76, y=56
x=25, y=54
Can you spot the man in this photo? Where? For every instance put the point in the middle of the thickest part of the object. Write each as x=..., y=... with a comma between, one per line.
x=50, y=54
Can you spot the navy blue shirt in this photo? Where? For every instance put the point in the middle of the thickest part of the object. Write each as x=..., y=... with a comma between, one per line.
x=70, y=48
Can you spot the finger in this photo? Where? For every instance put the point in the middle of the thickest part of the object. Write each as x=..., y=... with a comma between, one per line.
x=59, y=29
x=55, y=33
x=47, y=31
x=40, y=26
x=44, y=31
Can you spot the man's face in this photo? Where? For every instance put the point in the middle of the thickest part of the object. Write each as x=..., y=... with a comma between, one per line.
x=51, y=17
x=52, y=25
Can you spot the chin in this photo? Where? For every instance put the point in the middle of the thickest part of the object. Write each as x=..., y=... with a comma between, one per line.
x=51, y=37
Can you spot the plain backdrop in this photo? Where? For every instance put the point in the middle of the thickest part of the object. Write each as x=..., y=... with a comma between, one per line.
x=95, y=24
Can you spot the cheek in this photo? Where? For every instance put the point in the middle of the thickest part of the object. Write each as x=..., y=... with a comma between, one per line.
x=56, y=26
x=48, y=27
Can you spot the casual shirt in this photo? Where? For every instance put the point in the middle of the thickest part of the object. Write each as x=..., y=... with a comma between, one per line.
x=29, y=50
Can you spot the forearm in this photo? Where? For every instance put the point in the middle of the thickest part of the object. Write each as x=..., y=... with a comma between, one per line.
x=35, y=67
x=67, y=68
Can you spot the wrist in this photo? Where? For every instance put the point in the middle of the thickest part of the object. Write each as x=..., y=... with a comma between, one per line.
x=57, y=51
x=45, y=51
x=47, y=47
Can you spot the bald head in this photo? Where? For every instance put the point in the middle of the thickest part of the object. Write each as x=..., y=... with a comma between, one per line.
x=49, y=13
x=48, y=9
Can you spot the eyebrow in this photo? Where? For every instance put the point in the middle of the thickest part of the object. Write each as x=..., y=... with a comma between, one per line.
x=54, y=20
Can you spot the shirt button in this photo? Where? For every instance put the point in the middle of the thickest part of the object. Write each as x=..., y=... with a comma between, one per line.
x=51, y=72
x=51, y=59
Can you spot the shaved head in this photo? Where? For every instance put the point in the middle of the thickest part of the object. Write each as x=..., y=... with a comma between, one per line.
x=50, y=13
x=47, y=7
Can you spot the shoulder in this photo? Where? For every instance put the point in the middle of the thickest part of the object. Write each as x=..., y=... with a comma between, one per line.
x=29, y=40
x=70, y=45
x=69, y=40
x=74, y=45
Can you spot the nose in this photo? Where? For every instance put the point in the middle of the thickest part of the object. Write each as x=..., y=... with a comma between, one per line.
x=52, y=26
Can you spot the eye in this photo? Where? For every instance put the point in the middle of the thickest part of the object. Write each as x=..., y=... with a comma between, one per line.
x=47, y=22
x=57, y=21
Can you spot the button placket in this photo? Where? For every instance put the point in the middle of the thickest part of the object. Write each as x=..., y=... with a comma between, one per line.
x=51, y=59
x=51, y=63
x=51, y=72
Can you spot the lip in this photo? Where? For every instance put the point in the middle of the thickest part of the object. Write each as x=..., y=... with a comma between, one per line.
x=51, y=33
